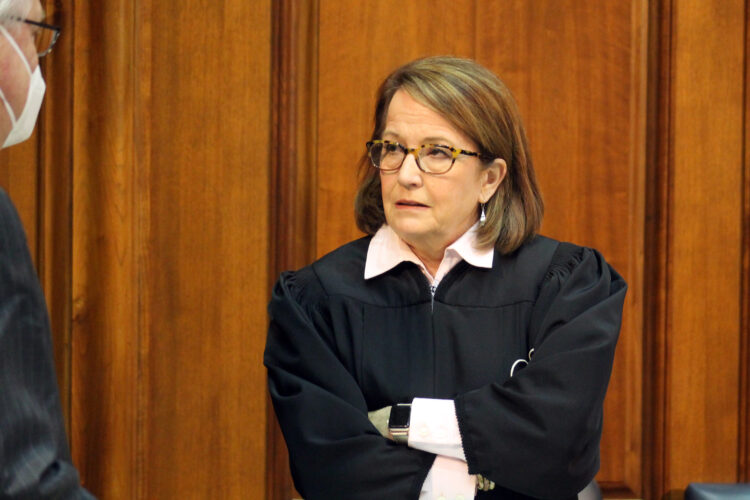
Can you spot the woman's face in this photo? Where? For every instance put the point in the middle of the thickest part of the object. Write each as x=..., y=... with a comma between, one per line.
x=430, y=212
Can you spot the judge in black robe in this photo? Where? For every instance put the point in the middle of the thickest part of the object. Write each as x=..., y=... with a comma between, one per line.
x=340, y=346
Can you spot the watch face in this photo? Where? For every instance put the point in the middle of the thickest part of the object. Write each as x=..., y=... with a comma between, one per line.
x=400, y=415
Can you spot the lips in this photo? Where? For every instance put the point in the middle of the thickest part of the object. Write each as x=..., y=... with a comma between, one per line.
x=409, y=204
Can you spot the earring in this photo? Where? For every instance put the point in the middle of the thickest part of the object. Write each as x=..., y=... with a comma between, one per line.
x=482, y=217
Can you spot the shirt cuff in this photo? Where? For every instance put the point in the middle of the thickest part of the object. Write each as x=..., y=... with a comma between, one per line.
x=448, y=479
x=433, y=428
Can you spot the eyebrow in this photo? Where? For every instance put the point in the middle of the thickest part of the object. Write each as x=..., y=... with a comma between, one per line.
x=438, y=140
x=425, y=140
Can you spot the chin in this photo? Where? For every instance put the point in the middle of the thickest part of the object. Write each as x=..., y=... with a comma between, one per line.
x=409, y=233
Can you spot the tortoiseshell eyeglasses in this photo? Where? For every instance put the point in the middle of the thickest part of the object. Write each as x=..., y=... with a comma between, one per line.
x=434, y=159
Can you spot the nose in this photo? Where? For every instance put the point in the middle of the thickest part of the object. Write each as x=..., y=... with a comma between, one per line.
x=409, y=175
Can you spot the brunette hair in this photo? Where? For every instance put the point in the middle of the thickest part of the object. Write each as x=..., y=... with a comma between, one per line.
x=478, y=104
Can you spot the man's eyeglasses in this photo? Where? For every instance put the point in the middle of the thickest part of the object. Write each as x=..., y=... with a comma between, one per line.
x=45, y=36
x=432, y=159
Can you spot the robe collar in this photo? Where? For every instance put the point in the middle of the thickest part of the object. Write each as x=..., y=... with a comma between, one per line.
x=387, y=250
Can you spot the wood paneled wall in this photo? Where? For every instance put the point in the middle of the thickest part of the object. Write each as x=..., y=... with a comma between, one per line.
x=187, y=153
x=146, y=202
x=696, y=358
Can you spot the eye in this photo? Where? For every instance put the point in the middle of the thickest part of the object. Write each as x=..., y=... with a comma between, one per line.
x=391, y=148
x=438, y=152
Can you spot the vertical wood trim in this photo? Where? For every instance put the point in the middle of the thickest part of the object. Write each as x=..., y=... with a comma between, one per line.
x=278, y=479
x=632, y=342
x=293, y=176
x=294, y=133
x=635, y=392
x=141, y=62
x=104, y=325
x=55, y=193
x=656, y=263
x=743, y=472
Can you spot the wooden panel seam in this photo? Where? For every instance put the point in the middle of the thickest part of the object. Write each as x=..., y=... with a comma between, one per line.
x=141, y=58
x=54, y=217
x=292, y=177
x=656, y=265
x=743, y=472
x=633, y=485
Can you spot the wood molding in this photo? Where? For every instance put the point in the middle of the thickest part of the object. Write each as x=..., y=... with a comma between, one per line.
x=293, y=176
x=105, y=364
x=55, y=215
x=294, y=133
x=615, y=489
x=743, y=472
x=656, y=262
x=142, y=92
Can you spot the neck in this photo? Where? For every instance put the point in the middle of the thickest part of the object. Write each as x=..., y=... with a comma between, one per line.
x=431, y=260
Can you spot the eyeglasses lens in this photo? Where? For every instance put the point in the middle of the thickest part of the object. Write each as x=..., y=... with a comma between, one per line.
x=436, y=159
x=45, y=39
x=386, y=156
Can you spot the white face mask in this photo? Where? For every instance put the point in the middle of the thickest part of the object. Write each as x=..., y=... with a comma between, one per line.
x=23, y=125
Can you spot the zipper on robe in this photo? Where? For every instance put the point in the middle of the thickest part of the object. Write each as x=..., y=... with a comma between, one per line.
x=432, y=300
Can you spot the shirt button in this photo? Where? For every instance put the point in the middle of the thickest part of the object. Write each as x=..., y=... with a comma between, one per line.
x=424, y=431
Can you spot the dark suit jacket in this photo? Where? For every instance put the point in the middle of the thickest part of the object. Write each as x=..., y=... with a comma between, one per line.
x=34, y=457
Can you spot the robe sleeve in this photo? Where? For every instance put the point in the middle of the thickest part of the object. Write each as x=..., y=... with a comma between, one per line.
x=335, y=452
x=538, y=432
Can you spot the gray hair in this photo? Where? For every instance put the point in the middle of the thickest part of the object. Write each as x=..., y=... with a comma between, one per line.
x=11, y=10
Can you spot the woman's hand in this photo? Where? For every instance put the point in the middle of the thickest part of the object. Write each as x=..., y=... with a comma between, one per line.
x=379, y=419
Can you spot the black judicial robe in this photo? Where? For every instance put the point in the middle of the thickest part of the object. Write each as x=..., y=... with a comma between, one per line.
x=339, y=346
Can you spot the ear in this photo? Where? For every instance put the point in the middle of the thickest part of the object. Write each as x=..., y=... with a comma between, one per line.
x=491, y=177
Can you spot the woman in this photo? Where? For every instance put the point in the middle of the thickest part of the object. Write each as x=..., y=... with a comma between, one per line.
x=488, y=348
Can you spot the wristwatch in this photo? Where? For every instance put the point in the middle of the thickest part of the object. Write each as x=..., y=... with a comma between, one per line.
x=398, y=422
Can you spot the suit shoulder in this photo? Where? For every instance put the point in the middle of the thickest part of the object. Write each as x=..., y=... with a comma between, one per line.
x=12, y=234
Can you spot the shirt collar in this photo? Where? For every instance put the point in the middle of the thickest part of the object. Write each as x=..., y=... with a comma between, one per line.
x=387, y=250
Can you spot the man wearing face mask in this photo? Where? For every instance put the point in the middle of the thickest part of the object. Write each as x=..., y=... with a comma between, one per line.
x=34, y=456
